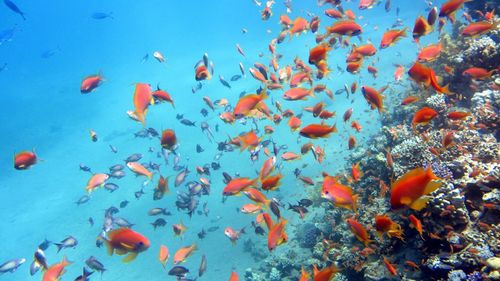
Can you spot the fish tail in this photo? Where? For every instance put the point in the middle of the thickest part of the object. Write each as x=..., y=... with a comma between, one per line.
x=109, y=247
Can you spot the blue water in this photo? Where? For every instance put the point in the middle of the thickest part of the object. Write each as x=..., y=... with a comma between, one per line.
x=43, y=109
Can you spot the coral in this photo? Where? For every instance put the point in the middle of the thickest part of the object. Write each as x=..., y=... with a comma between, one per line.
x=307, y=235
x=457, y=275
x=274, y=275
x=412, y=152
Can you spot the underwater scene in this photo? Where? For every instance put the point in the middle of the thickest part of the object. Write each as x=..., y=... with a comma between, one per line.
x=250, y=140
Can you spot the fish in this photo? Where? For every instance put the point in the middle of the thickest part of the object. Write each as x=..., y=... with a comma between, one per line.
x=374, y=98
x=224, y=82
x=90, y=83
x=93, y=263
x=183, y=253
x=203, y=266
x=450, y=7
x=366, y=4
x=140, y=170
x=163, y=255
x=102, y=15
x=11, y=265
x=159, y=56
x=390, y=267
x=478, y=73
x=430, y=53
x=233, y=235
x=384, y=225
x=85, y=275
x=426, y=76
x=142, y=98
x=390, y=37
x=340, y=195
x=421, y=28
x=25, y=160
x=126, y=241
x=234, y=276
x=410, y=189
x=314, y=131
x=345, y=27
x=96, y=181
x=423, y=116
x=56, y=271
x=359, y=231
x=277, y=235
x=13, y=7
x=417, y=224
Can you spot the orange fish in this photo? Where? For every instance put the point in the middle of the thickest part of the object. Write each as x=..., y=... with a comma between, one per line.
x=345, y=27
x=276, y=235
x=409, y=190
x=355, y=125
x=142, y=99
x=398, y=73
x=56, y=271
x=162, y=95
x=426, y=75
x=298, y=94
x=249, y=140
x=421, y=28
x=257, y=196
x=326, y=274
x=251, y=209
x=341, y=195
x=140, y=170
x=390, y=37
x=183, y=253
x=449, y=9
x=232, y=234
x=289, y=156
x=294, y=123
x=168, y=139
x=299, y=25
x=163, y=255
x=319, y=53
x=351, y=142
x=304, y=275
x=333, y=13
x=359, y=231
x=366, y=4
x=374, y=98
x=234, y=276
x=271, y=182
x=417, y=224
x=430, y=53
x=95, y=181
x=314, y=131
x=24, y=160
x=126, y=241
x=409, y=100
x=390, y=267
x=458, y=115
x=356, y=172
x=384, y=224
x=354, y=67
x=423, y=116
x=227, y=117
x=248, y=103
x=365, y=50
x=90, y=83
x=235, y=186
x=267, y=167
x=478, y=73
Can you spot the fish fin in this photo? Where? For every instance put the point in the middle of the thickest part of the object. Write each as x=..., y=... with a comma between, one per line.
x=419, y=204
x=432, y=186
x=120, y=252
x=109, y=247
x=127, y=246
x=405, y=200
x=130, y=257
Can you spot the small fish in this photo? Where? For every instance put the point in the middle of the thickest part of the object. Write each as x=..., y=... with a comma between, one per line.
x=49, y=53
x=160, y=222
x=95, y=264
x=188, y=122
x=85, y=275
x=85, y=168
x=13, y=7
x=68, y=242
x=84, y=199
x=102, y=15
x=224, y=82
x=203, y=266
x=145, y=58
x=235, y=77
x=11, y=265
x=113, y=149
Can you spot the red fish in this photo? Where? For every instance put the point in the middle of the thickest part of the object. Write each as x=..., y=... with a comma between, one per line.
x=384, y=225
x=56, y=271
x=417, y=224
x=449, y=9
x=345, y=27
x=90, y=83
x=201, y=72
x=299, y=25
x=162, y=95
x=355, y=125
x=366, y=50
x=421, y=28
x=235, y=186
x=426, y=75
x=233, y=235
x=390, y=37
x=351, y=142
x=168, y=139
x=341, y=195
x=409, y=190
x=356, y=172
x=277, y=235
x=298, y=94
x=374, y=98
x=142, y=99
x=390, y=267
x=183, y=253
x=366, y=4
x=478, y=73
x=126, y=241
x=458, y=115
x=423, y=116
x=359, y=231
x=318, y=53
x=314, y=131
x=430, y=53
x=24, y=160
x=248, y=103
x=234, y=276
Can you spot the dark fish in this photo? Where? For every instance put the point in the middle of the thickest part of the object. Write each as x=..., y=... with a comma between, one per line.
x=111, y=211
x=215, y=166
x=85, y=275
x=203, y=266
x=142, y=134
x=134, y=157
x=236, y=77
x=188, y=122
x=212, y=228
x=224, y=82
x=117, y=174
x=121, y=222
x=117, y=167
x=91, y=221
x=95, y=264
x=196, y=87
x=159, y=223
x=227, y=177
x=68, y=242
x=202, y=234
x=44, y=245
x=124, y=204
x=179, y=116
x=258, y=229
x=301, y=210
x=204, y=112
x=199, y=149
x=34, y=268
x=14, y=8
x=152, y=132
x=179, y=271
x=387, y=5
x=49, y=53
x=305, y=202
x=113, y=149
x=111, y=187
x=138, y=194
x=145, y=58
x=11, y=265
x=102, y=15
x=275, y=209
x=84, y=199
x=85, y=168
x=159, y=211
